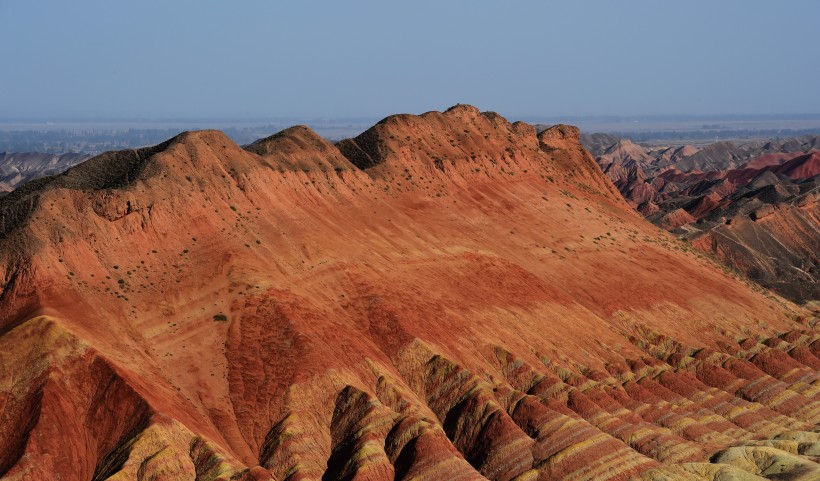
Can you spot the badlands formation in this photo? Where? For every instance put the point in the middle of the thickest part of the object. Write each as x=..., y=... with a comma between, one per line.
x=445, y=296
x=756, y=207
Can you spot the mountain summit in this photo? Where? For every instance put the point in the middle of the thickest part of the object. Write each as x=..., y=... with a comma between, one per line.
x=445, y=296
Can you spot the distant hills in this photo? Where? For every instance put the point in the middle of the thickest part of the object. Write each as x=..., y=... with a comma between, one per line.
x=101, y=136
x=754, y=205
x=17, y=168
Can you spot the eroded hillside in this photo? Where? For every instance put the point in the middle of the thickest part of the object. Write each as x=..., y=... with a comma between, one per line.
x=755, y=206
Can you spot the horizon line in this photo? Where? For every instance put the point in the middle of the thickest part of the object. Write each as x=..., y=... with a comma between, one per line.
x=530, y=117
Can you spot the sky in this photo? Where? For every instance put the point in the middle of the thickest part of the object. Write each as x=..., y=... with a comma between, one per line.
x=247, y=59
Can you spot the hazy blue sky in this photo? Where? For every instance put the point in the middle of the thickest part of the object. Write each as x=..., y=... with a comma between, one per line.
x=209, y=59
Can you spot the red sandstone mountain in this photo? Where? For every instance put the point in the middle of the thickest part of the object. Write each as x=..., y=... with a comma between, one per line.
x=446, y=296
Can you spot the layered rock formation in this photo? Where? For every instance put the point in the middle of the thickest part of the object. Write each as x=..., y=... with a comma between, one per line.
x=761, y=217
x=446, y=296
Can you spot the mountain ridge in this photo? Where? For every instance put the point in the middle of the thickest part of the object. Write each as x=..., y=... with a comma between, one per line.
x=205, y=311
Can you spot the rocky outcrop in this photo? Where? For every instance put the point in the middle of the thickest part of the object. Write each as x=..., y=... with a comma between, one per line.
x=675, y=219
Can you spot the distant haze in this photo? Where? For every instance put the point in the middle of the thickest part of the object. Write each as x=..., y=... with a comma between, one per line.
x=259, y=59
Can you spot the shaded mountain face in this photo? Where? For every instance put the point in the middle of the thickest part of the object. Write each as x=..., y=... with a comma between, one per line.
x=18, y=168
x=596, y=143
x=753, y=206
x=445, y=296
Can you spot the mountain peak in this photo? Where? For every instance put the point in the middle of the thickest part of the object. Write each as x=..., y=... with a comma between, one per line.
x=560, y=132
x=211, y=136
x=460, y=141
x=300, y=148
x=463, y=111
